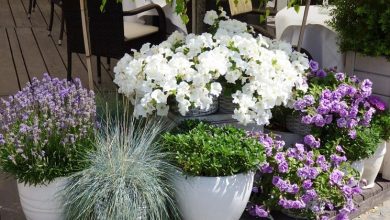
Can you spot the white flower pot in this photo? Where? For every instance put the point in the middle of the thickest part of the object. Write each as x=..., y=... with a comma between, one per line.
x=359, y=167
x=372, y=165
x=386, y=164
x=42, y=202
x=213, y=198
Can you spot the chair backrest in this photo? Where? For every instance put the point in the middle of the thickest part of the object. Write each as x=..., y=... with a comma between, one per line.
x=240, y=7
x=106, y=28
x=74, y=31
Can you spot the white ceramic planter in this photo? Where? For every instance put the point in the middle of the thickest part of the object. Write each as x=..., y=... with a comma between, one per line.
x=213, y=198
x=359, y=167
x=386, y=163
x=42, y=202
x=373, y=164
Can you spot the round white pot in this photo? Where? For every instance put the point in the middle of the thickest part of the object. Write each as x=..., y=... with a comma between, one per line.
x=386, y=163
x=359, y=167
x=42, y=202
x=373, y=164
x=213, y=198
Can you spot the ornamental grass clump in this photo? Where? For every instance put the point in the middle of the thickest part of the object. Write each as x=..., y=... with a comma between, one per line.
x=207, y=150
x=46, y=129
x=338, y=107
x=301, y=180
x=129, y=176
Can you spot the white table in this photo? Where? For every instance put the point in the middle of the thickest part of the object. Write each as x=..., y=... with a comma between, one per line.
x=168, y=10
x=319, y=39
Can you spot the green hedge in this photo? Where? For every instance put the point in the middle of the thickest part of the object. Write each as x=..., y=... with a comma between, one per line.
x=363, y=26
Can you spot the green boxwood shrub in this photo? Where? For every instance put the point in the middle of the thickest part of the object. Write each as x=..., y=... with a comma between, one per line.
x=363, y=26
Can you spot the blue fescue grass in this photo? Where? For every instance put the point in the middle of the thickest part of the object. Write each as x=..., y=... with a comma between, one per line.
x=128, y=177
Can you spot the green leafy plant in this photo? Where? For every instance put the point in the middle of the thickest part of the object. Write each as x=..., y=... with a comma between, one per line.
x=363, y=146
x=382, y=123
x=207, y=150
x=129, y=176
x=363, y=26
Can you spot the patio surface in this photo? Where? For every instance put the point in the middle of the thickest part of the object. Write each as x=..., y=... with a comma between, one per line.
x=27, y=51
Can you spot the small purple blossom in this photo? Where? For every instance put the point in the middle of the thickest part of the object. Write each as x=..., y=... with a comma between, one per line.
x=377, y=103
x=258, y=211
x=340, y=76
x=335, y=177
x=321, y=73
x=313, y=66
x=311, y=141
x=307, y=184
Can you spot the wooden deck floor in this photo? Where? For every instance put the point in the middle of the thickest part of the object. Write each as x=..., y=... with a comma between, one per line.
x=26, y=50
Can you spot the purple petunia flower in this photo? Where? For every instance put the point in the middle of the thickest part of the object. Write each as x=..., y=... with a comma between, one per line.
x=321, y=74
x=258, y=211
x=335, y=177
x=377, y=103
x=313, y=65
x=311, y=141
x=283, y=167
x=340, y=76
x=307, y=184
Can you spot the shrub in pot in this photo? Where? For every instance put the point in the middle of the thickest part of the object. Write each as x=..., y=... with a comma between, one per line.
x=217, y=170
x=129, y=176
x=300, y=181
x=45, y=131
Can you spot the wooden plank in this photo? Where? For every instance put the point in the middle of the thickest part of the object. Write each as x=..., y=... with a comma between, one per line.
x=51, y=56
x=18, y=58
x=36, y=18
x=350, y=62
x=379, y=65
x=32, y=55
x=8, y=79
x=19, y=13
x=6, y=19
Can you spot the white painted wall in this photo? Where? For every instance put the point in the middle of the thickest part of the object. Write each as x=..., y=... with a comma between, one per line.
x=377, y=69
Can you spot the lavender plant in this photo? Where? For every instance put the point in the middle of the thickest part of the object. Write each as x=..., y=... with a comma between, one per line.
x=303, y=180
x=46, y=129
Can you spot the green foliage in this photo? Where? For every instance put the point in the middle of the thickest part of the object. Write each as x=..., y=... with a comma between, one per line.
x=363, y=26
x=363, y=146
x=208, y=150
x=381, y=121
x=129, y=176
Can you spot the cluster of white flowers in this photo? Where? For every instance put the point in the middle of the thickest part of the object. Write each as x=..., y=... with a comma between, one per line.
x=189, y=68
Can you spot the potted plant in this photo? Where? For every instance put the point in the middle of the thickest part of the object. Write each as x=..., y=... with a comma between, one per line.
x=302, y=182
x=129, y=176
x=45, y=130
x=337, y=107
x=217, y=170
x=189, y=69
x=363, y=28
x=381, y=121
